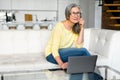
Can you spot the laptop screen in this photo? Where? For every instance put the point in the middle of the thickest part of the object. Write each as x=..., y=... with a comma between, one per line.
x=81, y=64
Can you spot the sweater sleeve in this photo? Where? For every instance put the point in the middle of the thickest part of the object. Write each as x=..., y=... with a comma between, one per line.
x=56, y=38
x=76, y=44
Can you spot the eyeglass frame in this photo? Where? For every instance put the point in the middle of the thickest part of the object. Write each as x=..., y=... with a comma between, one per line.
x=76, y=13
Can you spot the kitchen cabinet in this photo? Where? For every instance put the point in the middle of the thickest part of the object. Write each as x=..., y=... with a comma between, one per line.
x=28, y=5
x=34, y=4
x=5, y=4
x=22, y=4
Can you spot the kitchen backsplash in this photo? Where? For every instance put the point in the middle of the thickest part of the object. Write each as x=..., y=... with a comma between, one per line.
x=36, y=15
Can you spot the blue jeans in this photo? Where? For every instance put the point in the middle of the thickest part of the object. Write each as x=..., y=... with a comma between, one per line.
x=68, y=52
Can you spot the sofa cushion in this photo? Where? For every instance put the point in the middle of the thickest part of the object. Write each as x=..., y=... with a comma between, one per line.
x=23, y=41
x=101, y=60
x=24, y=62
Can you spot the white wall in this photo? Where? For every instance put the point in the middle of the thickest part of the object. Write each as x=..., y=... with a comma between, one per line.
x=84, y=4
x=98, y=15
x=91, y=13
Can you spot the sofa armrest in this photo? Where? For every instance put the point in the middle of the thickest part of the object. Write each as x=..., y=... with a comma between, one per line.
x=114, y=51
x=87, y=37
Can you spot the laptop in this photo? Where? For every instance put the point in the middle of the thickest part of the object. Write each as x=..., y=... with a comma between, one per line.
x=81, y=64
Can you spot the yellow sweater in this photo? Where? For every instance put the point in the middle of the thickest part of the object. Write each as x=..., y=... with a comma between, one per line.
x=61, y=38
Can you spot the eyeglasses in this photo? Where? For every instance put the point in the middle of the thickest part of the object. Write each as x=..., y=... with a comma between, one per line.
x=75, y=13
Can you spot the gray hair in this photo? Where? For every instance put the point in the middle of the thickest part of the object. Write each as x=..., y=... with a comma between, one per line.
x=68, y=9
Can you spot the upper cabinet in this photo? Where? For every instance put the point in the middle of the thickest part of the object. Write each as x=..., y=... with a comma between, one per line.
x=34, y=4
x=45, y=4
x=22, y=4
x=5, y=4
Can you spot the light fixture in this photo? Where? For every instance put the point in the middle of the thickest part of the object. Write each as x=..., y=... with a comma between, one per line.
x=101, y=2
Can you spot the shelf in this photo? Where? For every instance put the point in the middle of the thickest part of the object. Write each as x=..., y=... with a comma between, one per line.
x=110, y=14
x=115, y=25
x=112, y=10
x=114, y=17
x=111, y=4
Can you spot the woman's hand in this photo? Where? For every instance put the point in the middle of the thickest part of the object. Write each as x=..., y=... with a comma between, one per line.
x=60, y=62
x=80, y=39
x=64, y=65
x=81, y=22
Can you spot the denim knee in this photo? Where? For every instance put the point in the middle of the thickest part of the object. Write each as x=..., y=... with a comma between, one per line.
x=51, y=59
x=85, y=51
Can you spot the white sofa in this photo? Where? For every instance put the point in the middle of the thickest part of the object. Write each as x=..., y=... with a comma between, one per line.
x=23, y=50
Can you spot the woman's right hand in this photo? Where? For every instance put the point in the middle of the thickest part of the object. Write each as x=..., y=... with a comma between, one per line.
x=64, y=65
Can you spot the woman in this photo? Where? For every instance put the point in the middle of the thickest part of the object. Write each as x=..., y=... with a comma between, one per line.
x=67, y=38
